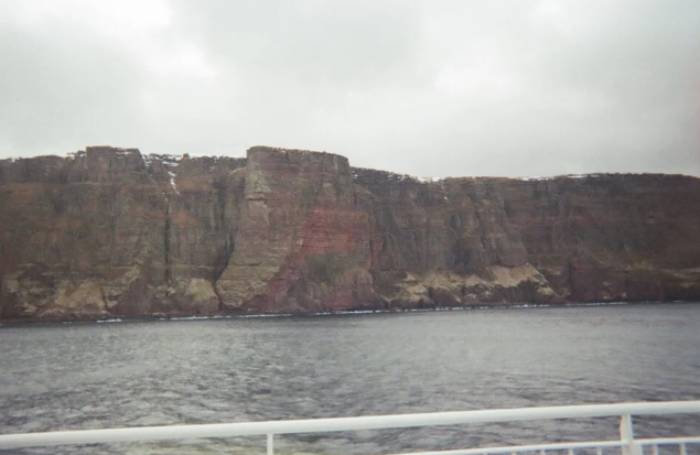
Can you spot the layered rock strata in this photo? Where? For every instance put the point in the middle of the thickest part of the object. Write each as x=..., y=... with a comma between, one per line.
x=111, y=232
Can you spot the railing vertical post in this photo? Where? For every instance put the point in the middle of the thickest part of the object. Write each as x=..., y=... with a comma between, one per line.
x=627, y=436
x=270, y=444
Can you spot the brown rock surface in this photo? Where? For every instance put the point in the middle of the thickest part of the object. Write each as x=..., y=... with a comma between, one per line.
x=303, y=240
x=109, y=232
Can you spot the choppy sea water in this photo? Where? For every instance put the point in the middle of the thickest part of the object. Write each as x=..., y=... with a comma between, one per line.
x=84, y=376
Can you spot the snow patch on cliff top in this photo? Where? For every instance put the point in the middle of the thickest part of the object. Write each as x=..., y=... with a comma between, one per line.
x=172, y=181
x=169, y=160
x=428, y=179
x=555, y=177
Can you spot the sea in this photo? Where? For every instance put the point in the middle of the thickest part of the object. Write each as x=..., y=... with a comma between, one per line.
x=158, y=372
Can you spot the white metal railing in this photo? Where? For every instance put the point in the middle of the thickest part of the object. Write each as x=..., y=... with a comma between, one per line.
x=627, y=443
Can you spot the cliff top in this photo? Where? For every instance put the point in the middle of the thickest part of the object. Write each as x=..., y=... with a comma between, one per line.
x=100, y=152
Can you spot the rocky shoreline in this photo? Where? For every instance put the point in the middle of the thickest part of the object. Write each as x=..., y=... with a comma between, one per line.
x=342, y=313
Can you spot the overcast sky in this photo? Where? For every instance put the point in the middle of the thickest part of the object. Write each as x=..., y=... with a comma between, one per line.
x=429, y=88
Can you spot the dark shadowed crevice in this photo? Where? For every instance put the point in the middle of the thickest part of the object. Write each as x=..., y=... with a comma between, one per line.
x=228, y=253
x=166, y=244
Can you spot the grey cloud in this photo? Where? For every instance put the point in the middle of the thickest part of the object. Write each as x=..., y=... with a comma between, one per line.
x=427, y=88
x=60, y=87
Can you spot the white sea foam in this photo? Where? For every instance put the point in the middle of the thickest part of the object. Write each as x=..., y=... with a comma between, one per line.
x=188, y=318
x=162, y=317
x=109, y=321
x=257, y=316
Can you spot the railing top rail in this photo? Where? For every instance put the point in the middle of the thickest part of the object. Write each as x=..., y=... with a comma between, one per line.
x=222, y=430
x=559, y=446
x=522, y=448
x=669, y=441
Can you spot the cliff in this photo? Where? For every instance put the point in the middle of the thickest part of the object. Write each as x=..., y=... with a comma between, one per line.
x=111, y=232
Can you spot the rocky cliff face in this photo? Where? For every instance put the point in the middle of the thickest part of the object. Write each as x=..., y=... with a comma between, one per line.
x=110, y=232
